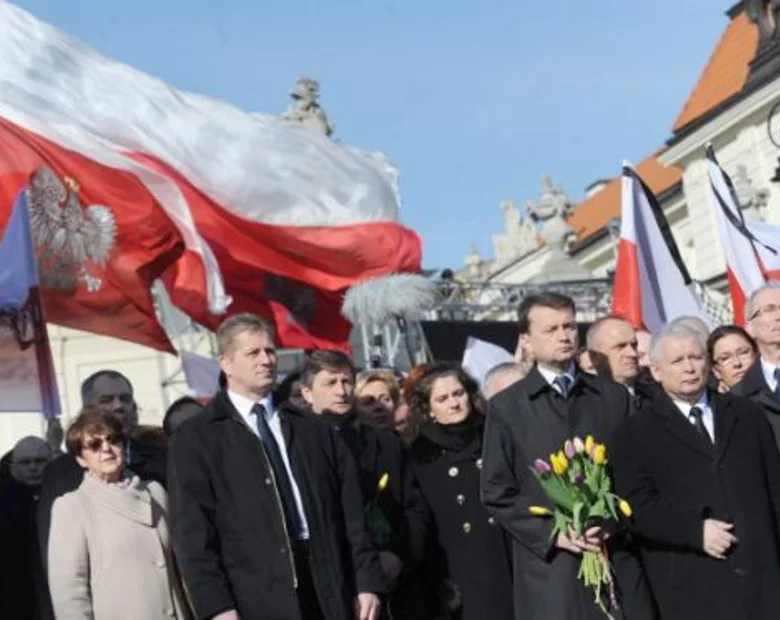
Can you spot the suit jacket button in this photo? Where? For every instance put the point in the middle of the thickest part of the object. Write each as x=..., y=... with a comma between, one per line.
x=453, y=472
x=283, y=551
x=267, y=481
x=467, y=527
x=479, y=463
x=461, y=499
x=491, y=521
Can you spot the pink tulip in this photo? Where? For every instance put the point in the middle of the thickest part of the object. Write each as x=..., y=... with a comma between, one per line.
x=542, y=467
x=568, y=449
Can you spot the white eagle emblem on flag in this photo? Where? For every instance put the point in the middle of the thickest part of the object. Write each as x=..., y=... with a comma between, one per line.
x=74, y=242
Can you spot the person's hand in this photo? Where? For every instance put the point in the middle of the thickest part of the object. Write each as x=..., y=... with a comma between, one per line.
x=718, y=538
x=597, y=536
x=391, y=567
x=231, y=614
x=367, y=606
x=571, y=542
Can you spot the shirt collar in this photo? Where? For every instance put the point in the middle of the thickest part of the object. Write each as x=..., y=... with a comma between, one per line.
x=550, y=375
x=768, y=371
x=703, y=403
x=244, y=405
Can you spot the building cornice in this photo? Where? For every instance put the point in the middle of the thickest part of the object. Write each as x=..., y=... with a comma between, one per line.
x=718, y=121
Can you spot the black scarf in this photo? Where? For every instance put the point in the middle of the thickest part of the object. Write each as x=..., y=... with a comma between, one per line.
x=455, y=437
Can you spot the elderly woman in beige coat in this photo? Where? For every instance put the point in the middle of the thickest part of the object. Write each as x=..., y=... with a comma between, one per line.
x=109, y=555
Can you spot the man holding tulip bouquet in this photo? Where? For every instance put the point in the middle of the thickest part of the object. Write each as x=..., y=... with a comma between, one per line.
x=531, y=420
x=702, y=474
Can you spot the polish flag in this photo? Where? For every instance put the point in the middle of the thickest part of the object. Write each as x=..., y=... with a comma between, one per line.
x=289, y=218
x=652, y=285
x=744, y=269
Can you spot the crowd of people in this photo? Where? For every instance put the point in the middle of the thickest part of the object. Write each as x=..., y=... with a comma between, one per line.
x=337, y=494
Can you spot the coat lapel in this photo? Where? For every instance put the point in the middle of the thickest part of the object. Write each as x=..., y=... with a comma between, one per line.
x=754, y=387
x=678, y=426
x=725, y=419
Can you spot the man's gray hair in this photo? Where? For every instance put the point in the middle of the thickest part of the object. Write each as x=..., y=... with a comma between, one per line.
x=238, y=324
x=500, y=369
x=675, y=331
x=750, y=304
x=695, y=323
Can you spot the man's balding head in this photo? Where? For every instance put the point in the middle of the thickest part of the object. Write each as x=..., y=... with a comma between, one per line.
x=28, y=459
x=112, y=392
x=613, y=345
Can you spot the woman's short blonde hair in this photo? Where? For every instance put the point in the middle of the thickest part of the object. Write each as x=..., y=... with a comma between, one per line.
x=383, y=376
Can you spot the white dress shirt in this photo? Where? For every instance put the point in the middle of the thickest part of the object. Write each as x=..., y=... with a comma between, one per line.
x=707, y=417
x=244, y=407
x=769, y=374
x=551, y=375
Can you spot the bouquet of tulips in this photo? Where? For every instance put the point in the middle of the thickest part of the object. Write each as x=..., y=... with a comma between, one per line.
x=578, y=484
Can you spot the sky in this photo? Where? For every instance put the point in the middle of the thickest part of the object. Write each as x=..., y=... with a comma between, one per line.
x=475, y=101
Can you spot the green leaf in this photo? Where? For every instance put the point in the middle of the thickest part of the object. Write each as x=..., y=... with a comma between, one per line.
x=577, y=517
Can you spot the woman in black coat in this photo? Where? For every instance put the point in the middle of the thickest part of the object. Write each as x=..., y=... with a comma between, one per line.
x=471, y=562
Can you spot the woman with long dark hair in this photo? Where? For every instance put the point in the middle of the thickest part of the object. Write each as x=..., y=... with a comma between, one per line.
x=472, y=559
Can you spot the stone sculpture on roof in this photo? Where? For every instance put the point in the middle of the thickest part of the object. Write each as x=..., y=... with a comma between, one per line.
x=550, y=212
x=305, y=109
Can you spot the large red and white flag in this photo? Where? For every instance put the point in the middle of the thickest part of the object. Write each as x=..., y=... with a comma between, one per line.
x=27, y=379
x=743, y=268
x=291, y=218
x=652, y=285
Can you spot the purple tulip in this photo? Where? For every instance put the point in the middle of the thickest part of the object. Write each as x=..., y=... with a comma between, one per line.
x=542, y=467
x=568, y=449
x=579, y=477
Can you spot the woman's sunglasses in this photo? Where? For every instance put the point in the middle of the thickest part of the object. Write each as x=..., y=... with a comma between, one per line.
x=96, y=443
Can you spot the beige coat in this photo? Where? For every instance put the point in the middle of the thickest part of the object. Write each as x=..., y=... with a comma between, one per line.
x=110, y=555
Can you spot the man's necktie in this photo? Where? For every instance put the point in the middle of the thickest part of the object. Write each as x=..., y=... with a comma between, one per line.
x=283, y=483
x=777, y=384
x=696, y=416
x=563, y=383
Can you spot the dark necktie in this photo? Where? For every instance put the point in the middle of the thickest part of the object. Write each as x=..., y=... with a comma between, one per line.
x=283, y=483
x=696, y=415
x=563, y=383
x=777, y=384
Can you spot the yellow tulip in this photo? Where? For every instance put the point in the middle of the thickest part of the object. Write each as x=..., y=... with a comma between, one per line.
x=382, y=485
x=625, y=508
x=539, y=511
x=589, y=441
x=600, y=454
x=559, y=463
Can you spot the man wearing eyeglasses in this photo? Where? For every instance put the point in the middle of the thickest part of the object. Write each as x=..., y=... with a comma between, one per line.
x=761, y=383
x=20, y=571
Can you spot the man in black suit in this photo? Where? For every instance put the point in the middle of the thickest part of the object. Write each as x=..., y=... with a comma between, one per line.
x=327, y=386
x=532, y=419
x=266, y=501
x=702, y=473
x=614, y=349
x=761, y=383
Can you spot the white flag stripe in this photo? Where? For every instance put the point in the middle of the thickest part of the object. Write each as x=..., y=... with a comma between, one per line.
x=260, y=167
x=738, y=249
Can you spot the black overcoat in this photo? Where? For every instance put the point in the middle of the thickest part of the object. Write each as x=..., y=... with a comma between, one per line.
x=467, y=545
x=229, y=533
x=379, y=452
x=754, y=387
x=531, y=420
x=674, y=479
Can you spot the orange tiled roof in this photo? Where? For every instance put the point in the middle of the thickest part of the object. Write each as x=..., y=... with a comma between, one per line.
x=725, y=73
x=593, y=214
